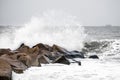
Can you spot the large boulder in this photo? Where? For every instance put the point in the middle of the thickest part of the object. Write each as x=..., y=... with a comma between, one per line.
x=43, y=47
x=5, y=70
x=50, y=55
x=23, y=48
x=11, y=59
x=34, y=59
x=35, y=49
x=59, y=49
x=62, y=60
x=4, y=51
x=26, y=49
x=24, y=58
x=53, y=55
x=28, y=59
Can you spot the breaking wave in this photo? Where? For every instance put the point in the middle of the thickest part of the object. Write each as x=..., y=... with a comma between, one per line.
x=52, y=27
x=106, y=48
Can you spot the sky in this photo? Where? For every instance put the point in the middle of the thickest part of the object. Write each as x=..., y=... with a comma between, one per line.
x=88, y=12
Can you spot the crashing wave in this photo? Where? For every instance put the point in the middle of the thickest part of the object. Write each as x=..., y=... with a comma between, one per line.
x=106, y=48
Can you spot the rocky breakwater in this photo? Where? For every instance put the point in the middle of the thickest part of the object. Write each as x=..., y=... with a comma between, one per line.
x=24, y=57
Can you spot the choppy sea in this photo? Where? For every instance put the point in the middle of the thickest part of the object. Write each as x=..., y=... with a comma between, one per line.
x=104, y=42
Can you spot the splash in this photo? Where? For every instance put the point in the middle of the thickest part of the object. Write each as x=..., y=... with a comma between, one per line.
x=52, y=27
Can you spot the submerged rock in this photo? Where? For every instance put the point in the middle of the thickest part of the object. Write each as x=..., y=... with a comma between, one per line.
x=94, y=57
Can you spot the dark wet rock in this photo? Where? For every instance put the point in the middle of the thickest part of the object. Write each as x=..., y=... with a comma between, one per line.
x=4, y=51
x=18, y=70
x=4, y=78
x=51, y=55
x=94, y=57
x=75, y=54
x=79, y=63
x=5, y=70
x=62, y=60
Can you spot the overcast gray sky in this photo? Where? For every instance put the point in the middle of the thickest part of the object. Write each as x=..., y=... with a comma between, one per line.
x=89, y=12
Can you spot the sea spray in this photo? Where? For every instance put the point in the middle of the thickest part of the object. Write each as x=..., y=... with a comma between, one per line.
x=7, y=36
x=51, y=27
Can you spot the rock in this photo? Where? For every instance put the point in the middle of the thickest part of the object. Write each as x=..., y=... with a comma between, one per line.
x=4, y=51
x=44, y=59
x=21, y=61
x=62, y=60
x=75, y=54
x=11, y=59
x=34, y=49
x=34, y=59
x=43, y=47
x=5, y=70
x=24, y=58
x=44, y=52
x=23, y=48
x=94, y=57
x=26, y=49
x=79, y=63
x=51, y=55
x=29, y=59
x=18, y=70
x=59, y=49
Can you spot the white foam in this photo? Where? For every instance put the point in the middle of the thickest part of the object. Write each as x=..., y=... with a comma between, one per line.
x=111, y=51
x=90, y=70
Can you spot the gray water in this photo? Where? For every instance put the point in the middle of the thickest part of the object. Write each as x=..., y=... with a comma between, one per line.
x=103, y=32
x=93, y=32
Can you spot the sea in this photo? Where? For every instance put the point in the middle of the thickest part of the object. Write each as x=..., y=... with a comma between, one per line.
x=65, y=31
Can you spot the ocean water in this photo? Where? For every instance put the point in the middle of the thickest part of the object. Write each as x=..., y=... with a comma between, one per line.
x=105, y=68
x=64, y=30
x=103, y=32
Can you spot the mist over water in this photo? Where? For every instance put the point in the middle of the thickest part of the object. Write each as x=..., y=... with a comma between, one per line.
x=51, y=27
